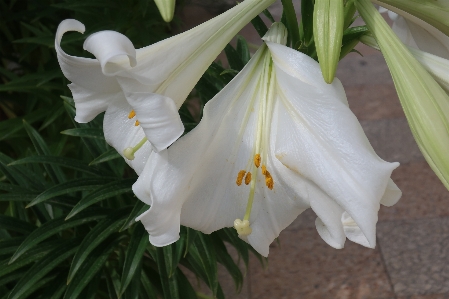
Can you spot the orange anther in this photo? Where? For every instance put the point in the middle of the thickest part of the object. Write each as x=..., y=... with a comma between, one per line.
x=257, y=160
x=240, y=176
x=137, y=123
x=248, y=178
x=131, y=114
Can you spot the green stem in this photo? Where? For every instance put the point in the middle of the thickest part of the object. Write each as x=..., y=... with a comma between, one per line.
x=292, y=23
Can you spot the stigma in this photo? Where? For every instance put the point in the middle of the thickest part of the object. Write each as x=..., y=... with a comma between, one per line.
x=242, y=227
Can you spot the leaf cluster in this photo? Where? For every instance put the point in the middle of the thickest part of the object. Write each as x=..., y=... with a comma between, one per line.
x=67, y=211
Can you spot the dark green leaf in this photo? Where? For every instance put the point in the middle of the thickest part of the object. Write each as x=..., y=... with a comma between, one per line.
x=85, y=132
x=99, y=233
x=53, y=171
x=292, y=23
x=107, y=191
x=43, y=266
x=233, y=58
x=307, y=20
x=111, y=154
x=242, y=49
x=134, y=253
x=61, y=161
x=83, y=184
x=169, y=284
x=268, y=15
x=14, y=224
x=18, y=196
x=91, y=266
x=55, y=226
x=259, y=25
x=138, y=209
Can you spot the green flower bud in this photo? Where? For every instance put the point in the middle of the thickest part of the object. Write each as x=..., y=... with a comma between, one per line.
x=328, y=22
x=425, y=103
x=166, y=9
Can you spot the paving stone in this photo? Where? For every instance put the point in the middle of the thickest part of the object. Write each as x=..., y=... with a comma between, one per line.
x=374, y=101
x=423, y=194
x=392, y=140
x=416, y=254
x=434, y=296
x=304, y=266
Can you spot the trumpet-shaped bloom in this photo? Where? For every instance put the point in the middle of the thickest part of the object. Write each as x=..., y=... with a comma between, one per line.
x=141, y=90
x=274, y=142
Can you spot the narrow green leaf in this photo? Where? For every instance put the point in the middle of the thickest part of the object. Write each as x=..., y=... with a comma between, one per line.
x=99, y=233
x=43, y=266
x=259, y=25
x=18, y=175
x=267, y=13
x=91, y=266
x=110, y=283
x=30, y=256
x=132, y=292
x=83, y=184
x=54, y=114
x=292, y=23
x=12, y=126
x=307, y=7
x=53, y=171
x=111, y=154
x=169, y=284
x=349, y=12
x=55, y=226
x=85, y=132
x=185, y=288
x=230, y=235
x=134, y=253
x=57, y=288
x=202, y=258
x=10, y=245
x=18, y=196
x=138, y=209
x=107, y=191
x=149, y=289
x=11, y=277
x=17, y=225
x=61, y=161
x=233, y=58
x=242, y=49
x=224, y=258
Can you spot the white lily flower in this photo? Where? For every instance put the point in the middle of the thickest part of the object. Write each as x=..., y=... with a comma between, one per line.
x=275, y=141
x=141, y=90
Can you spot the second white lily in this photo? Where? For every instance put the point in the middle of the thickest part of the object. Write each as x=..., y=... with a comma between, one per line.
x=141, y=90
x=274, y=142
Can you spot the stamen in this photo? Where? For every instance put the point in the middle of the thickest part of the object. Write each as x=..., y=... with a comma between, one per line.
x=131, y=114
x=269, y=180
x=240, y=176
x=136, y=123
x=248, y=178
x=257, y=160
x=264, y=169
x=129, y=151
x=242, y=227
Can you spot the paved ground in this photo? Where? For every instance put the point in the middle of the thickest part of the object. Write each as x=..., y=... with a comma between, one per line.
x=411, y=260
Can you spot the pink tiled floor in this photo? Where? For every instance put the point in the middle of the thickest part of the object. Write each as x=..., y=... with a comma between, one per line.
x=411, y=260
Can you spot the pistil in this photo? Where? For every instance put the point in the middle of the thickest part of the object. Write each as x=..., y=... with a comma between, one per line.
x=130, y=151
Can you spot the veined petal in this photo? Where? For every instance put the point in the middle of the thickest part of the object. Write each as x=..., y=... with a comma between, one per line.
x=158, y=117
x=342, y=163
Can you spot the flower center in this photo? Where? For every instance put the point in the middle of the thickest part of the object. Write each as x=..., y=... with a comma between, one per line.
x=259, y=157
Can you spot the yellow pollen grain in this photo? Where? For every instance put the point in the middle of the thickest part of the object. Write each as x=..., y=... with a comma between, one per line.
x=240, y=176
x=131, y=114
x=264, y=169
x=257, y=160
x=137, y=123
x=248, y=178
x=269, y=180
